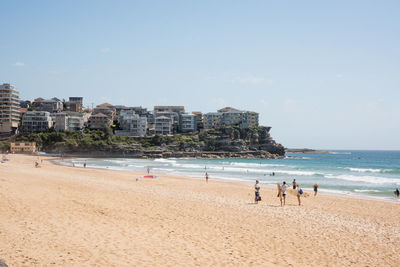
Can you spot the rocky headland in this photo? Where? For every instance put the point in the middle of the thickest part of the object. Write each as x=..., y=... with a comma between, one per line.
x=225, y=142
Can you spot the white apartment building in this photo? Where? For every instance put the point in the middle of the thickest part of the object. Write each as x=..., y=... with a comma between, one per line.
x=132, y=124
x=9, y=108
x=163, y=125
x=99, y=121
x=36, y=121
x=68, y=121
x=51, y=105
x=172, y=112
x=188, y=123
x=212, y=120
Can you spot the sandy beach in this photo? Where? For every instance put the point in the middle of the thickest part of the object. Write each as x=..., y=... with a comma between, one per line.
x=65, y=216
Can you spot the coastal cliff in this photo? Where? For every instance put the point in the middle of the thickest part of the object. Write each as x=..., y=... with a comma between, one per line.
x=224, y=142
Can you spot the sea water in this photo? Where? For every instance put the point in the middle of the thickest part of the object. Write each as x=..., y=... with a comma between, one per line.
x=373, y=174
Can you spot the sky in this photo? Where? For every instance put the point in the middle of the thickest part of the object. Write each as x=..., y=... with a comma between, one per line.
x=322, y=74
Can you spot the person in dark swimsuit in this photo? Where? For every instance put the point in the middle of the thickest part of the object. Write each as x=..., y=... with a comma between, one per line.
x=396, y=192
x=315, y=189
x=294, y=184
x=257, y=192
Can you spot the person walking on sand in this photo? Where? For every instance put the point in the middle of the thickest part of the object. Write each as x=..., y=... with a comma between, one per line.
x=148, y=170
x=206, y=177
x=294, y=184
x=299, y=193
x=279, y=192
x=84, y=164
x=315, y=190
x=284, y=187
x=257, y=192
x=396, y=192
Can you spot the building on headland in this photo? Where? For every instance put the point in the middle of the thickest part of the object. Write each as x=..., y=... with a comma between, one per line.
x=76, y=99
x=119, y=108
x=36, y=121
x=105, y=109
x=9, y=108
x=250, y=119
x=75, y=104
x=188, y=123
x=22, y=147
x=199, y=119
x=73, y=107
x=132, y=124
x=99, y=121
x=51, y=105
x=242, y=118
x=36, y=102
x=68, y=121
x=176, y=109
x=163, y=125
x=172, y=112
x=212, y=120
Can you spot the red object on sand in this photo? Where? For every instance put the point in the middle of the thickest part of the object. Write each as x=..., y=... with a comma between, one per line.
x=149, y=176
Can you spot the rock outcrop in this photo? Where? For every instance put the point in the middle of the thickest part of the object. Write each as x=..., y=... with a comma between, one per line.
x=227, y=142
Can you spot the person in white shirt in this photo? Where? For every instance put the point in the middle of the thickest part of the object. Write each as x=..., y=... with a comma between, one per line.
x=257, y=192
x=284, y=187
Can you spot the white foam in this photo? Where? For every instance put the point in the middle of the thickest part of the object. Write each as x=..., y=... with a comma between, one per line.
x=364, y=170
x=365, y=179
x=243, y=164
x=190, y=166
x=332, y=191
x=165, y=160
x=366, y=191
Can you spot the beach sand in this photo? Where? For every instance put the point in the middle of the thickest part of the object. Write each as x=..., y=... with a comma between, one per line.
x=57, y=215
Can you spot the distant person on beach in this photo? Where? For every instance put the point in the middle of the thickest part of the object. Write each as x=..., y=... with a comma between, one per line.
x=206, y=177
x=294, y=184
x=148, y=170
x=84, y=164
x=396, y=192
x=257, y=192
x=315, y=190
x=299, y=193
x=284, y=188
x=280, y=193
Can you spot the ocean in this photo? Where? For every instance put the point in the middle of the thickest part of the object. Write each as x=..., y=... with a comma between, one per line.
x=372, y=174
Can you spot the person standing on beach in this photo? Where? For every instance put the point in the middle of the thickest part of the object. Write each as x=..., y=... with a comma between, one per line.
x=257, y=192
x=206, y=177
x=294, y=184
x=396, y=192
x=84, y=164
x=299, y=193
x=280, y=192
x=283, y=188
x=315, y=189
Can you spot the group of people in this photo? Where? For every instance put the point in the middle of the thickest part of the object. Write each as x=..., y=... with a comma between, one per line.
x=282, y=191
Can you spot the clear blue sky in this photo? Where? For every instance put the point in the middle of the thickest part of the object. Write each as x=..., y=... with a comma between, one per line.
x=323, y=74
